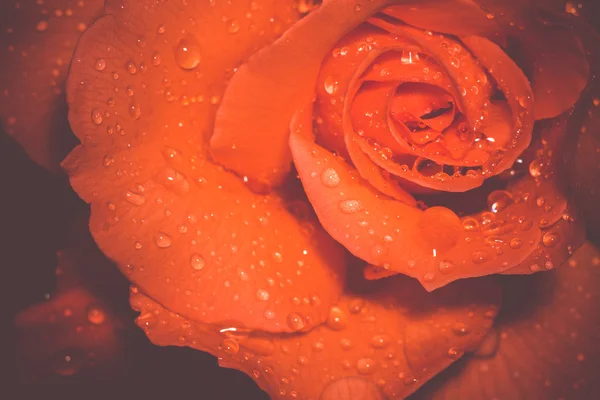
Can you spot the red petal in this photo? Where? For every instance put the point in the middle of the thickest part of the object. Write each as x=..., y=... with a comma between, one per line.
x=265, y=92
x=434, y=246
x=455, y=17
x=75, y=332
x=36, y=46
x=387, y=343
x=188, y=233
x=546, y=342
x=557, y=56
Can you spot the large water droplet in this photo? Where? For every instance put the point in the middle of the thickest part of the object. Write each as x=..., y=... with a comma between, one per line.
x=262, y=295
x=162, y=240
x=100, y=64
x=96, y=315
x=197, y=261
x=97, y=117
x=550, y=239
x=379, y=341
x=295, y=321
x=365, y=366
x=337, y=319
x=187, y=53
x=350, y=206
x=330, y=178
x=330, y=85
x=498, y=200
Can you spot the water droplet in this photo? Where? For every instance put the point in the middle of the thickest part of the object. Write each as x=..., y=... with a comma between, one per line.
x=479, y=257
x=97, y=117
x=470, y=224
x=156, y=59
x=135, y=198
x=135, y=111
x=230, y=346
x=262, y=294
x=337, y=319
x=550, y=239
x=498, y=200
x=100, y=64
x=330, y=85
x=365, y=366
x=234, y=27
x=175, y=181
x=455, y=353
x=446, y=266
x=535, y=168
x=162, y=240
x=187, y=53
x=515, y=243
x=379, y=341
x=460, y=329
x=161, y=29
x=197, y=261
x=131, y=68
x=330, y=178
x=95, y=315
x=42, y=26
x=350, y=206
x=295, y=321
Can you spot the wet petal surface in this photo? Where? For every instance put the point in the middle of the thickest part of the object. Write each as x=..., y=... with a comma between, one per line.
x=36, y=46
x=545, y=343
x=191, y=235
x=385, y=344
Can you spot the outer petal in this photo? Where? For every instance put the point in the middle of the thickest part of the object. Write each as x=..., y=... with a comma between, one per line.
x=382, y=345
x=36, y=45
x=545, y=345
x=75, y=332
x=555, y=55
x=263, y=95
x=142, y=92
x=455, y=17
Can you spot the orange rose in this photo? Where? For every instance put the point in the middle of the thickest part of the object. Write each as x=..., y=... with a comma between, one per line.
x=428, y=138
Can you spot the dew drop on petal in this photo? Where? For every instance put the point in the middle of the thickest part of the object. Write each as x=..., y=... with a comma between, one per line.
x=230, y=346
x=97, y=117
x=550, y=239
x=515, y=243
x=162, y=240
x=262, y=295
x=498, y=200
x=365, y=366
x=350, y=206
x=337, y=319
x=197, y=261
x=460, y=329
x=95, y=315
x=330, y=178
x=100, y=64
x=295, y=321
x=187, y=54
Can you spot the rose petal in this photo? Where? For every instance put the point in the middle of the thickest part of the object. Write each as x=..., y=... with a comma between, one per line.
x=545, y=345
x=436, y=246
x=189, y=234
x=455, y=17
x=386, y=343
x=76, y=331
x=555, y=55
x=36, y=45
x=265, y=92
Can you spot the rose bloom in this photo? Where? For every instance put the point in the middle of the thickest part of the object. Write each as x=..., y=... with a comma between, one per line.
x=301, y=188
